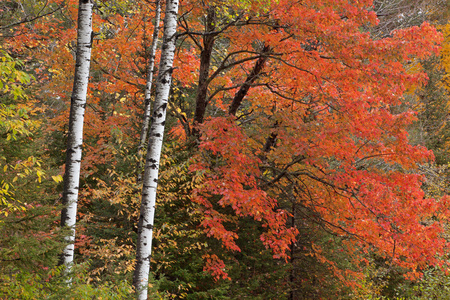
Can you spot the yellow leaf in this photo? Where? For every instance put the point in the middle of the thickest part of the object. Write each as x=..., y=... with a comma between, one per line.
x=57, y=178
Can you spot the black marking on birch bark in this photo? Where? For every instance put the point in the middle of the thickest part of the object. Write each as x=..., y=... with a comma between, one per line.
x=160, y=115
x=163, y=123
x=92, y=40
x=149, y=226
x=164, y=81
x=64, y=216
x=81, y=105
x=154, y=166
x=155, y=180
x=151, y=160
x=163, y=106
x=157, y=134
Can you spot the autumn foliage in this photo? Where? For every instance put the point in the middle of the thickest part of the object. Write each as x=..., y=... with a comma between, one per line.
x=286, y=115
x=329, y=97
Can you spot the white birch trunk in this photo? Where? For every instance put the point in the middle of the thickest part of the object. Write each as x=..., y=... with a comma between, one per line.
x=148, y=87
x=75, y=137
x=150, y=180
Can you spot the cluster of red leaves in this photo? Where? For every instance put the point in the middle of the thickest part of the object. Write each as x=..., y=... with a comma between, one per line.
x=340, y=136
x=231, y=171
x=215, y=267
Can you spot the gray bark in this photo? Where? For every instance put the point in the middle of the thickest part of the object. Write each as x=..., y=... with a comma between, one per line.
x=205, y=62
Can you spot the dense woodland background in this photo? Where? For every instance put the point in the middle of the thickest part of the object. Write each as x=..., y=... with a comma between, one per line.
x=306, y=153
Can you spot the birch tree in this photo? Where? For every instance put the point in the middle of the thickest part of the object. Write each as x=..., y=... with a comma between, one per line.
x=148, y=87
x=75, y=136
x=150, y=180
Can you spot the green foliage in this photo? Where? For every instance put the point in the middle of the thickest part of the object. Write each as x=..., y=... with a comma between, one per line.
x=16, y=126
x=432, y=128
x=11, y=77
x=434, y=285
x=53, y=285
x=109, y=193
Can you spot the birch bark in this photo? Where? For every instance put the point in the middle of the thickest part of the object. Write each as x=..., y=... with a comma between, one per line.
x=148, y=87
x=150, y=180
x=75, y=137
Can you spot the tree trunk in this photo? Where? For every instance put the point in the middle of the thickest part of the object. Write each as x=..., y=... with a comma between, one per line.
x=254, y=74
x=205, y=62
x=75, y=136
x=150, y=180
x=148, y=87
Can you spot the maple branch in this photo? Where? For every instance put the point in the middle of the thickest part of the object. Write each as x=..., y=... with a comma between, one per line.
x=223, y=88
x=336, y=191
x=345, y=189
x=213, y=33
x=244, y=115
x=321, y=180
x=254, y=74
x=284, y=172
x=272, y=90
x=371, y=156
x=185, y=26
x=223, y=66
x=294, y=66
x=192, y=34
x=205, y=63
x=315, y=216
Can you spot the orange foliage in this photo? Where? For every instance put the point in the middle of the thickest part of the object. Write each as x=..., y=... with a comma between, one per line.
x=329, y=94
